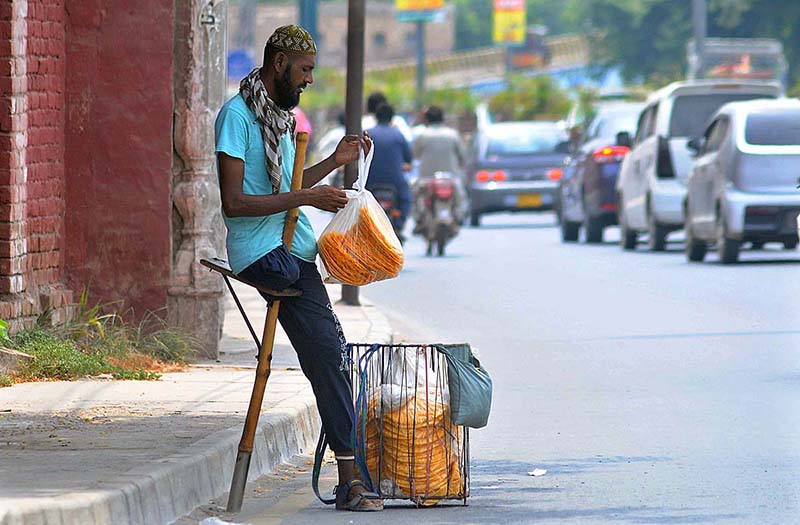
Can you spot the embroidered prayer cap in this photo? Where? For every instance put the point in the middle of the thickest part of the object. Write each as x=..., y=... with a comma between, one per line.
x=293, y=39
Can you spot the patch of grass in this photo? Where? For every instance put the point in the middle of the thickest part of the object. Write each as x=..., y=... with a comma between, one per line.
x=93, y=342
x=5, y=380
x=56, y=358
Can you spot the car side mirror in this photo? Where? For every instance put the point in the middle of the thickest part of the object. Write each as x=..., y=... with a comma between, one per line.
x=624, y=139
x=695, y=145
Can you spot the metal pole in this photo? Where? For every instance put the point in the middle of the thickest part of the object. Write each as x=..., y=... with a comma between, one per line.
x=308, y=17
x=699, y=23
x=354, y=102
x=420, y=64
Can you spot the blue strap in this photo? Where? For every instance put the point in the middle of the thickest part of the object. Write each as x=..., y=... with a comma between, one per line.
x=360, y=423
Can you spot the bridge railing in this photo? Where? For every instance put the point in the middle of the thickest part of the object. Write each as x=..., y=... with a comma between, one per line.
x=565, y=50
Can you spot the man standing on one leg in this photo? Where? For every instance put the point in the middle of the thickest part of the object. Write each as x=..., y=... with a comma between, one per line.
x=255, y=155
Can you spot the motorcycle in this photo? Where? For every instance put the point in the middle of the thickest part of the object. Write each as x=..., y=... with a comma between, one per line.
x=387, y=197
x=439, y=221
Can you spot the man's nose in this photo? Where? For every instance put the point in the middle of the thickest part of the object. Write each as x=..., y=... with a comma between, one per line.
x=310, y=78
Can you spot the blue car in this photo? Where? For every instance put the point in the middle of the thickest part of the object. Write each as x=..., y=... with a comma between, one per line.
x=510, y=165
x=587, y=191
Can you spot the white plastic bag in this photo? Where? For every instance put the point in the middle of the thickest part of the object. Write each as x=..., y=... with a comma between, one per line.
x=359, y=245
x=405, y=374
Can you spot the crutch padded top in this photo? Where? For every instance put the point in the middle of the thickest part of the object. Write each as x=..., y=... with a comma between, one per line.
x=221, y=266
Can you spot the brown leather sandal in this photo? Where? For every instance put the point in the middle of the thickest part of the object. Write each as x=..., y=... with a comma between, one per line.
x=359, y=502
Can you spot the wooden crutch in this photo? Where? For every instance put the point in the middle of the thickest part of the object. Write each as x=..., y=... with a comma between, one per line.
x=265, y=355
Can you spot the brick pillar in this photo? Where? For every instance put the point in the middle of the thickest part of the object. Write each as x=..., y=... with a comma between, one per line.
x=15, y=304
x=195, y=294
x=32, y=161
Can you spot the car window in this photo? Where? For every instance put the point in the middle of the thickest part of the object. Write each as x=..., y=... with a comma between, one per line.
x=525, y=141
x=612, y=124
x=774, y=127
x=715, y=135
x=651, y=122
x=641, y=128
x=691, y=112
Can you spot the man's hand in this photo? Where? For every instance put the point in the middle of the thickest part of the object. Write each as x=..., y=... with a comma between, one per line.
x=326, y=198
x=347, y=150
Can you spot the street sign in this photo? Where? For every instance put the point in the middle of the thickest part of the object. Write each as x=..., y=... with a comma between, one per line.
x=509, y=22
x=419, y=10
x=240, y=63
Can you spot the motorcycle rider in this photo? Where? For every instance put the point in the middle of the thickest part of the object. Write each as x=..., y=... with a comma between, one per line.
x=391, y=159
x=438, y=148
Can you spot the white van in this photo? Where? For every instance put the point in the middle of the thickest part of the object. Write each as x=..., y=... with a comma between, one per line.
x=651, y=186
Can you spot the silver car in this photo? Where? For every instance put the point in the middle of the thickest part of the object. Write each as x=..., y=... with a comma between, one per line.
x=743, y=185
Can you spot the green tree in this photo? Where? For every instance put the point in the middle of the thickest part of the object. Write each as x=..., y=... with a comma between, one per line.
x=647, y=38
x=530, y=98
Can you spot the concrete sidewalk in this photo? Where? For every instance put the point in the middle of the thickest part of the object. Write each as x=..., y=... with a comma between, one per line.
x=146, y=452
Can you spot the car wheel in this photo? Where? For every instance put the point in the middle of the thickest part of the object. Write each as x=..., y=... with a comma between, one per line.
x=569, y=230
x=656, y=233
x=474, y=219
x=790, y=245
x=627, y=237
x=695, y=249
x=594, y=230
x=727, y=248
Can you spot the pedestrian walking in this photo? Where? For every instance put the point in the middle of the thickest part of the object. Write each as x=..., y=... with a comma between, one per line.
x=255, y=153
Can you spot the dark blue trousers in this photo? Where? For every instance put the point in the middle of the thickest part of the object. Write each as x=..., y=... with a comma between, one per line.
x=315, y=334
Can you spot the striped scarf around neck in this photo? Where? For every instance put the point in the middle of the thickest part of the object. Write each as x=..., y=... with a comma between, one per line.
x=273, y=120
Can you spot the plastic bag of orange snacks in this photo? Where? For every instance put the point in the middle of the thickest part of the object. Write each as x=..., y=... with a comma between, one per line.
x=359, y=246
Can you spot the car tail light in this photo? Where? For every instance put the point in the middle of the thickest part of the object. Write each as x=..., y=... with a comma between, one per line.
x=486, y=176
x=483, y=176
x=610, y=206
x=664, y=168
x=555, y=173
x=610, y=154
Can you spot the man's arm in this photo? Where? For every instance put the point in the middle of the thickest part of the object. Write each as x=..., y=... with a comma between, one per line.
x=346, y=151
x=236, y=203
x=317, y=172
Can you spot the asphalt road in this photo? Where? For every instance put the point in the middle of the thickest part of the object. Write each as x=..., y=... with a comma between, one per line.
x=650, y=389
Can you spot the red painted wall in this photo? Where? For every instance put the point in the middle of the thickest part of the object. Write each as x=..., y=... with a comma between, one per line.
x=118, y=153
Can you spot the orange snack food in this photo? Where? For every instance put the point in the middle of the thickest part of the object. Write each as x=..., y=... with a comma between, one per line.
x=412, y=449
x=362, y=254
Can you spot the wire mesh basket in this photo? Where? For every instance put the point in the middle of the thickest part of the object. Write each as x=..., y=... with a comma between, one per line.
x=406, y=444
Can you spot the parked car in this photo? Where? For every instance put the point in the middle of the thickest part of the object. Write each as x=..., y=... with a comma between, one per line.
x=743, y=185
x=651, y=187
x=509, y=164
x=587, y=190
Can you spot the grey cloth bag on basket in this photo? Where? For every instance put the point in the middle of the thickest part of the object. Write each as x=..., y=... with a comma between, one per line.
x=470, y=386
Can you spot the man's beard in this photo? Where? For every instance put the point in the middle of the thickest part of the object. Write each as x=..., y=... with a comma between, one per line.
x=287, y=95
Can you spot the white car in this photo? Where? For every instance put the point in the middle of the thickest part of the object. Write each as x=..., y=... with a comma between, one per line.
x=651, y=187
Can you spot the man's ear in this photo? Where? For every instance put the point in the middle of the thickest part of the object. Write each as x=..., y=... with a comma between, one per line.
x=281, y=62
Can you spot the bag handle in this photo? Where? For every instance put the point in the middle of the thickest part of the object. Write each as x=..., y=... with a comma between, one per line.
x=363, y=169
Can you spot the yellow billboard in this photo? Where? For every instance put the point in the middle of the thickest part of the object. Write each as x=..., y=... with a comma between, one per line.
x=509, y=21
x=418, y=5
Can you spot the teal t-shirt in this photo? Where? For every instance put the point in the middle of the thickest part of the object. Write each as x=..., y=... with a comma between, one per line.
x=250, y=238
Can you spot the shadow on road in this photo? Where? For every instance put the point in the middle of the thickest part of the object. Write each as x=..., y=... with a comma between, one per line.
x=515, y=226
